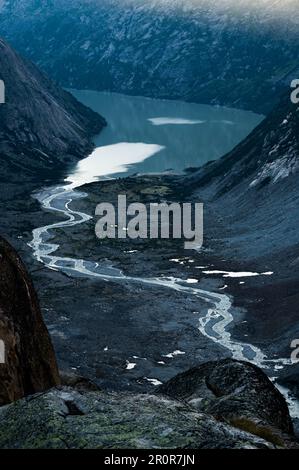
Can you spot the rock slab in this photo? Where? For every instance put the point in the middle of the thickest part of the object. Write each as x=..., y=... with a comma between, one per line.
x=29, y=360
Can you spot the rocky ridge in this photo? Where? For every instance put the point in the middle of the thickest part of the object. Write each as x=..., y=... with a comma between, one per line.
x=42, y=127
x=231, y=53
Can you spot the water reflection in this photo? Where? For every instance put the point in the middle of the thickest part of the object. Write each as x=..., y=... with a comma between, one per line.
x=167, y=134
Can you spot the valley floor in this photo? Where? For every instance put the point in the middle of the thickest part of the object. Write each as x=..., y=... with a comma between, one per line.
x=132, y=336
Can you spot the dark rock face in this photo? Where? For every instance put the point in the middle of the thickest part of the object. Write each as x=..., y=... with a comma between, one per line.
x=236, y=392
x=78, y=415
x=42, y=126
x=30, y=364
x=266, y=157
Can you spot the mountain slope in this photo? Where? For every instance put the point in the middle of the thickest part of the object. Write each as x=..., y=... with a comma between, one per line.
x=30, y=364
x=254, y=190
x=42, y=127
x=228, y=52
x=268, y=155
x=251, y=201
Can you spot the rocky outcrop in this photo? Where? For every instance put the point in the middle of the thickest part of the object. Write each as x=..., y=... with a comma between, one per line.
x=29, y=360
x=225, y=404
x=67, y=418
x=238, y=393
x=268, y=156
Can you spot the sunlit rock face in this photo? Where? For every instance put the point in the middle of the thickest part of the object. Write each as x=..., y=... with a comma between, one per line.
x=228, y=52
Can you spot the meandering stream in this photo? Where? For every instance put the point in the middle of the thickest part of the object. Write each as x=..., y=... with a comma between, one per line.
x=216, y=324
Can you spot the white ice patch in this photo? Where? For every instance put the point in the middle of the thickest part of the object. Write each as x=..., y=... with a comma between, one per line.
x=192, y=281
x=164, y=121
x=155, y=382
x=130, y=365
x=238, y=274
x=174, y=354
x=109, y=160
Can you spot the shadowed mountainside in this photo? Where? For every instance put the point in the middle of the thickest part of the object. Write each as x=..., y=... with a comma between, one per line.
x=42, y=127
x=233, y=53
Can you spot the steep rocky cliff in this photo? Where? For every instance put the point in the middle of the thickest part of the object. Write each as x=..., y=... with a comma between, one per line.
x=28, y=364
x=42, y=127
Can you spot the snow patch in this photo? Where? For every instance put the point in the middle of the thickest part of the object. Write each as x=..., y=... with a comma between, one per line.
x=154, y=382
x=164, y=121
x=110, y=159
x=130, y=365
x=192, y=281
x=238, y=274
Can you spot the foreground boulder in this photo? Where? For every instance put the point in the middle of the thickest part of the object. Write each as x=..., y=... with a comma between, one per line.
x=238, y=393
x=78, y=415
x=224, y=404
x=69, y=418
x=29, y=360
